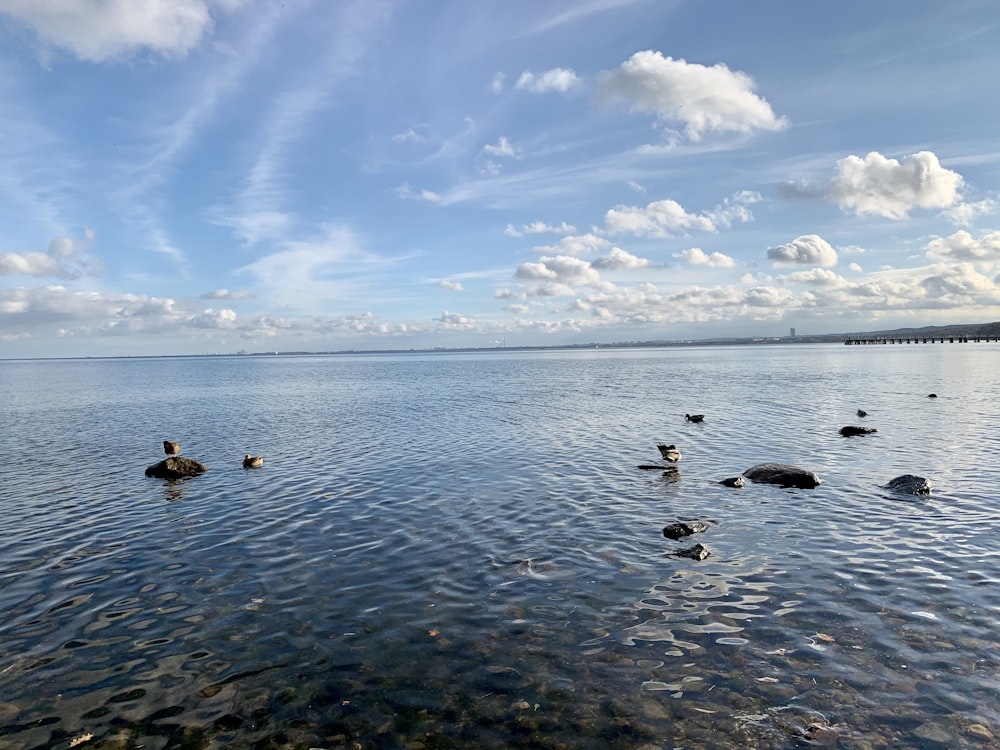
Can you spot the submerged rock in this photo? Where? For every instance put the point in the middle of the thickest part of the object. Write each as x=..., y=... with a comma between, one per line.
x=684, y=528
x=176, y=467
x=853, y=429
x=734, y=482
x=784, y=475
x=697, y=552
x=911, y=484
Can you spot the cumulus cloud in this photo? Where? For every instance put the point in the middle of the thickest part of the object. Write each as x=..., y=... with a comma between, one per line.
x=64, y=259
x=813, y=277
x=620, y=260
x=562, y=269
x=576, y=245
x=556, y=79
x=879, y=186
x=456, y=321
x=809, y=249
x=965, y=213
x=962, y=246
x=538, y=227
x=233, y=294
x=700, y=98
x=657, y=219
x=695, y=256
x=453, y=286
x=99, y=30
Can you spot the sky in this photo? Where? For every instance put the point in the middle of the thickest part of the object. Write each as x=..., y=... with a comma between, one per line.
x=215, y=176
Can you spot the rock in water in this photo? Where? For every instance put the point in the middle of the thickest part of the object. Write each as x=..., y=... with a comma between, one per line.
x=176, y=467
x=684, y=528
x=853, y=429
x=911, y=484
x=697, y=552
x=784, y=475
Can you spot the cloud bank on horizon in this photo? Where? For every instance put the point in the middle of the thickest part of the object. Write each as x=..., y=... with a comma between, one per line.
x=204, y=176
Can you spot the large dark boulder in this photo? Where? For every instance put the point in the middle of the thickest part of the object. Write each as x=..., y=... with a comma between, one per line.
x=697, y=552
x=910, y=484
x=854, y=429
x=176, y=467
x=684, y=528
x=783, y=475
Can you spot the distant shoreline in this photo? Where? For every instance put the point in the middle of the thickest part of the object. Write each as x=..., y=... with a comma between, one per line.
x=971, y=331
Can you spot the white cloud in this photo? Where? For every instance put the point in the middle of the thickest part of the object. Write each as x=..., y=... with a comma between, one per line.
x=562, y=269
x=856, y=268
x=407, y=193
x=695, y=256
x=538, y=227
x=498, y=82
x=878, y=186
x=809, y=249
x=814, y=277
x=502, y=147
x=556, y=79
x=963, y=246
x=658, y=219
x=454, y=286
x=99, y=30
x=233, y=294
x=702, y=99
x=63, y=259
x=964, y=214
x=620, y=260
x=30, y=264
x=576, y=245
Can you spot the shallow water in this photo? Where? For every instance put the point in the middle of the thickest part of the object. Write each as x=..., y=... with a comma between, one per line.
x=458, y=550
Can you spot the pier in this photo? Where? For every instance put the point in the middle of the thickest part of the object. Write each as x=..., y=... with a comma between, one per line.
x=933, y=339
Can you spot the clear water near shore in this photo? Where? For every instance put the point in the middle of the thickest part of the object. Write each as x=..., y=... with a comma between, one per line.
x=458, y=550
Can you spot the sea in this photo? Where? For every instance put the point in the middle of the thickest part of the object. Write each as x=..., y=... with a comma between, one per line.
x=459, y=550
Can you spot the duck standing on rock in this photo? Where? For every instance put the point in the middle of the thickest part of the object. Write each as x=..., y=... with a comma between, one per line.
x=252, y=462
x=669, y=452
x=171, y=448
x=694, y=417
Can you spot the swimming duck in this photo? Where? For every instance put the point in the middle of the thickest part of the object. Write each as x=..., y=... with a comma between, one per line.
x=694, y=417
x=862, y=413
x=669, y=452
x=252, y=462
x=171, y=448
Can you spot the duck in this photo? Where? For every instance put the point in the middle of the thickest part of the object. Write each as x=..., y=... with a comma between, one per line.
x=669, y=452
x=252, y=462
x=171, y=448
x=862, y=413
x=694, y=417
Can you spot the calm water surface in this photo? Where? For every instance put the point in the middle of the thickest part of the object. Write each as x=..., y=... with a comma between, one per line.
x=458, y=550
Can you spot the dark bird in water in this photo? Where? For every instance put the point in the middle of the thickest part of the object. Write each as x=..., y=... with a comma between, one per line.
x=931, y=395
x=694, y=417
x=862, y=413
x=171, y=448
x=252, y=462
x=669, y=452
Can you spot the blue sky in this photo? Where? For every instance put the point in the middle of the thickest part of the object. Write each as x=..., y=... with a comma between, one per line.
x=209, y=176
